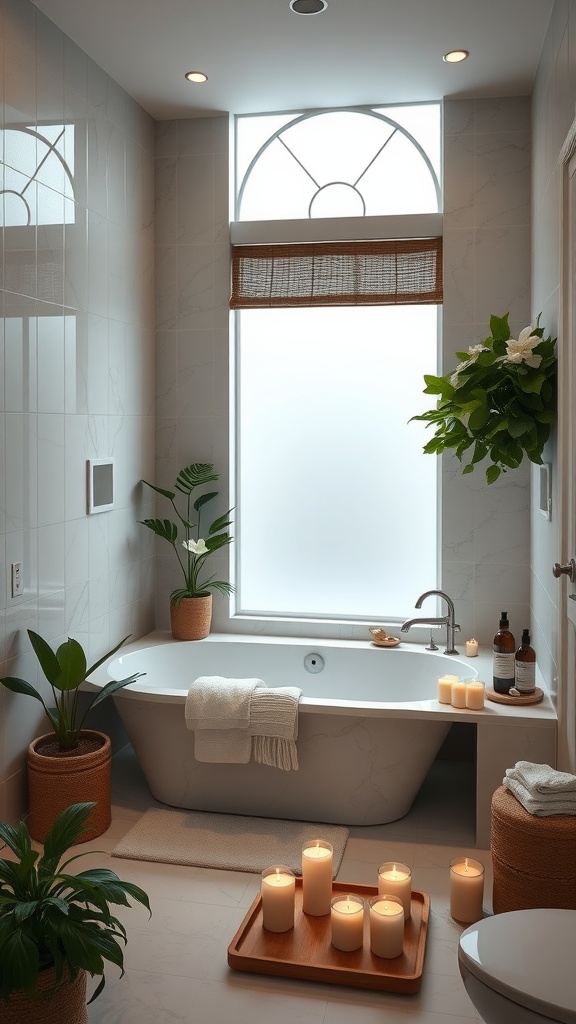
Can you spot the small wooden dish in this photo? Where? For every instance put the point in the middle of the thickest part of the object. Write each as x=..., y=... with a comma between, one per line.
x=380, y=638
x=510, y=698
x=306, y=950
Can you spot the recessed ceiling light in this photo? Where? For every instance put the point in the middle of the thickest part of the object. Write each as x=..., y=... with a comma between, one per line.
x=308, y=6
x=196, y=76
x=455, y=56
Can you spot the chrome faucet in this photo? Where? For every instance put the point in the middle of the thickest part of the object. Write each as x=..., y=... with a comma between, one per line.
x=448, y=620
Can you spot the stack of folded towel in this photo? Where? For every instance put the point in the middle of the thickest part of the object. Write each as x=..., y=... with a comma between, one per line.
x=542, y=790
x=234, y=720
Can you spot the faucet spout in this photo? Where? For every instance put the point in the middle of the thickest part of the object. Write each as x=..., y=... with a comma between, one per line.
x=449, y=620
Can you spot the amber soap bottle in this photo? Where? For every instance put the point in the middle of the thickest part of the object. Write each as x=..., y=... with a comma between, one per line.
x=525, y=665
x=504, y=657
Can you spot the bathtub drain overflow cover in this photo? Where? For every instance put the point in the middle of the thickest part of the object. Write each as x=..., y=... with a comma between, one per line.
x=313, y=662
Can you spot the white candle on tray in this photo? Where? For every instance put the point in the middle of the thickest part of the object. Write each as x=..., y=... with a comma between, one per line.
x=386, y=926
x=466, y=889
x=278, y=897
x=347, y=922
x=317, y=866
x=396, y=880
x=472, y=648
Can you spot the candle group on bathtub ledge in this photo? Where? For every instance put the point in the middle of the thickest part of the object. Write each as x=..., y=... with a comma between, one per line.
x=461, y=693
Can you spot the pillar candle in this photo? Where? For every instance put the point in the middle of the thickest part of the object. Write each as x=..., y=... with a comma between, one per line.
x=472, y=648
x=347, y=922
x=475, y=695
x=458, y=696
x=445, y=688
x=278, y=896
x=317, y=864
x=466, y=889
x=396, y=880
x=386, y=926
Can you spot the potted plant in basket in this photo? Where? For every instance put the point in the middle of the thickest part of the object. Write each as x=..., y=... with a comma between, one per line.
x=191, y=605
x=500, y=401
x=56, y=927
x=71, y=763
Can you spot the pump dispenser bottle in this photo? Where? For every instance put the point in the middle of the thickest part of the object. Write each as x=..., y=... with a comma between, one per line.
x=504, y=648
x=525, y=665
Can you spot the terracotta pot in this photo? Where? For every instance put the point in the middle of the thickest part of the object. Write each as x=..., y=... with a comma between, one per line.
x=65, y=1004
x=56, y=780
x=191, y=618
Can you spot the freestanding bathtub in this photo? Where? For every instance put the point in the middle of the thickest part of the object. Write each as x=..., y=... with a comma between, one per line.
x=369, y=725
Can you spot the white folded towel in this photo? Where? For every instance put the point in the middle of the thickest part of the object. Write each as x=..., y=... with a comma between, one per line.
x=541, y=779
x=217, y=710
x=274, y=726
x=547, y=806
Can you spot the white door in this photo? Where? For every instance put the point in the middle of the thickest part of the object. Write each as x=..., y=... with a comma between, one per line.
x=565, y=569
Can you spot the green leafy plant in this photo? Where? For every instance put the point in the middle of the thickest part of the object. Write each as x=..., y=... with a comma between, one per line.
x=197, y=548
x=49, y=917
x=66, y=670
x=500, y=401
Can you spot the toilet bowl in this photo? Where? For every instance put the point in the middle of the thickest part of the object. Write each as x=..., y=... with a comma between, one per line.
x=520, y=967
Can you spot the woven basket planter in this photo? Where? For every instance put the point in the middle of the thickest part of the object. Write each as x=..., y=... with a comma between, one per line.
x=65, y=1004
x=534, y=858
x=55, y=782
x=191, y=618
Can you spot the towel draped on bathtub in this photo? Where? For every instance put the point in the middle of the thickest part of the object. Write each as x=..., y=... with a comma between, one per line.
x=234, y=720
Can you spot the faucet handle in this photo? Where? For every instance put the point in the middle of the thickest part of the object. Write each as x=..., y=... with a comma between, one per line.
x=457, y=628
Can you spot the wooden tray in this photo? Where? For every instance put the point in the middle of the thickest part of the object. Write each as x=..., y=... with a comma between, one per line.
x=306, y=950
x=510, y=698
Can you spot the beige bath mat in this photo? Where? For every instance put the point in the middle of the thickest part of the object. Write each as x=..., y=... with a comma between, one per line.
x=231, y=841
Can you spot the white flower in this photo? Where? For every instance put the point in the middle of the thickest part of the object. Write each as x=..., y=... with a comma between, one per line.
x=474, y=351
x=197, y=547
x=521, y=350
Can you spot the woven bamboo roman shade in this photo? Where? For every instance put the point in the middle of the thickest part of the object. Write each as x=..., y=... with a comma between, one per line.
x=405, y=271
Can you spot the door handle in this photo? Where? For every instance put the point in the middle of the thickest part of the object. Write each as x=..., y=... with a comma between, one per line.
x=568, y=569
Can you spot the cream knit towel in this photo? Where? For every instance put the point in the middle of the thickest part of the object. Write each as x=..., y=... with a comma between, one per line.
x=545, y=806
x=217, y=710
x=542, y=779
x=274, y=726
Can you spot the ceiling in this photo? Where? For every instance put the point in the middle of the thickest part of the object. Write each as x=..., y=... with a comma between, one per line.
x=260, y=56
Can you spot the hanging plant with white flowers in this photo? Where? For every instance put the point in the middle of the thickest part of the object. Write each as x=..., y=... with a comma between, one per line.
x=500, y=401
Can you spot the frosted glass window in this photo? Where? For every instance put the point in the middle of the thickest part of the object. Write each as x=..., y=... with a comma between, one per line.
x=338, y=163
x=38, y=182
x=336, y=505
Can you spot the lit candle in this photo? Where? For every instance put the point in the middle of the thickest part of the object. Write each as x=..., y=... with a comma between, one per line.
x=475, y=695
x=317, y=864
x=278, y=894
x=472, y=648
x=466, y=889
x=396, y=880
x=445, y=688
x=386, y=926
x=458, y=696
x=347, y=922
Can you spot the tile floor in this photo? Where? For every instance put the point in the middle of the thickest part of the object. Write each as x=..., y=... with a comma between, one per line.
x=176, y=969
x=176, y=966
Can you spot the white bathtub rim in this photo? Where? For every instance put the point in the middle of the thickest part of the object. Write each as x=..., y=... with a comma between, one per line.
x=480, y=667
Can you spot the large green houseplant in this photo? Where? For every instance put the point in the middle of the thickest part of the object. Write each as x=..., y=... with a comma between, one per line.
x=71, y=763
x=499, y=402
x=56, y=927
x=194, y=599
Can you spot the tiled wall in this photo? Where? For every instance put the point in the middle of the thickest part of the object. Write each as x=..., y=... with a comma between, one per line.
x=487, y=260
x=77, y=364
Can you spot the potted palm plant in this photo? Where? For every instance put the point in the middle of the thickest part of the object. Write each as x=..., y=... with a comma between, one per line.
x=71, y=763
x=191, y=605
x=56, y=927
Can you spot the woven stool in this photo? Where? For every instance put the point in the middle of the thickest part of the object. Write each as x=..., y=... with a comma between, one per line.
x=534, y=858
